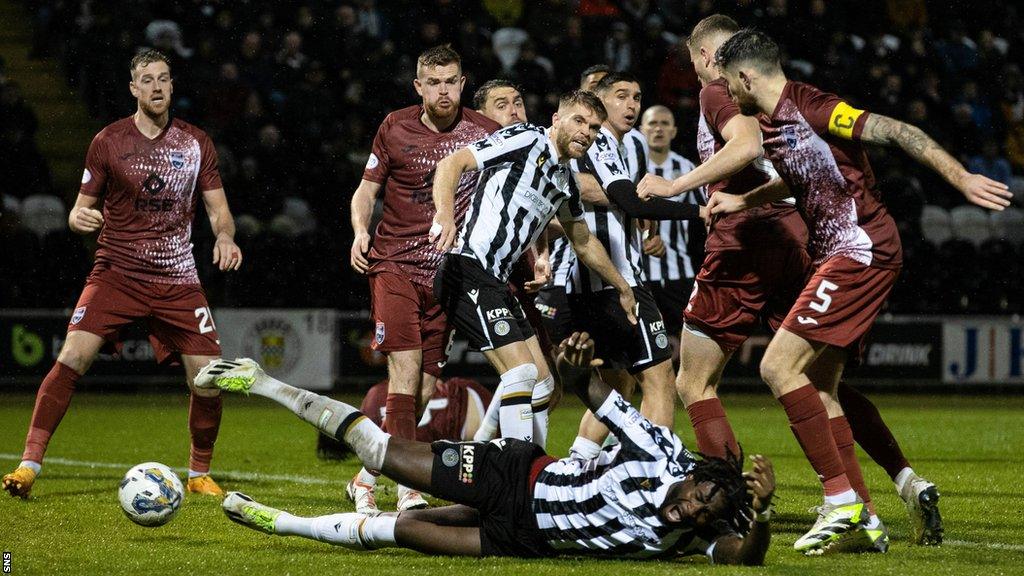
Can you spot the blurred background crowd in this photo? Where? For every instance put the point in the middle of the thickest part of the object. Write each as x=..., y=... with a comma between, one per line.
x=292, y=93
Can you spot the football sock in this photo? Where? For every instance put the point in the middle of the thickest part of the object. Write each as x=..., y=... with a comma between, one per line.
x=540, y=401
x=52, y=402
x=196, y=474
x=515, y=412
x=873, y=522
x=710, y=425
x=489, y=423
x=366, y=477
x=584, y=449
x=840, y=498
x=901, y=478
x=354, y=531
x=332, y=417
x=400, y=415
x=848, y=452
x=870, y=431
x=204, y=415
x=288, y=525
x=31, y=465
x=809, y=422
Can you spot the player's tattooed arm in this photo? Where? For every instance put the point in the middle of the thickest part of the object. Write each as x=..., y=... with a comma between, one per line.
x=446, y=180
x=980, y=190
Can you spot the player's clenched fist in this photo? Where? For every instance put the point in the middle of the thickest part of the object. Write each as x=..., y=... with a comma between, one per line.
x=360, y=246
x=84, y=220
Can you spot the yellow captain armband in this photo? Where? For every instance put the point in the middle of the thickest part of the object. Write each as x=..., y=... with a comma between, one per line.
x=842, y=120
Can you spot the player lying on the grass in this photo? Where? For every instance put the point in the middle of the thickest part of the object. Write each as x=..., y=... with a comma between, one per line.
x=645, y=498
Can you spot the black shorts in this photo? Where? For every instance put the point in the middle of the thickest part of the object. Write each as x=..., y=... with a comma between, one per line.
x=671, y=296
x=478, y=305
x=555, y=314
x=616, y=341
x=494, y=478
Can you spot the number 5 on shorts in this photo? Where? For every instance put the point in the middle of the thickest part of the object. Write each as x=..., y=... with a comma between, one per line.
x=205, y=320
x=826, y=300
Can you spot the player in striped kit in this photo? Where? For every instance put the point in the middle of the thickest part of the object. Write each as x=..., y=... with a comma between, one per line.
x=525, y=181
x=670, y=276
x=634, y=355
x=646, y=498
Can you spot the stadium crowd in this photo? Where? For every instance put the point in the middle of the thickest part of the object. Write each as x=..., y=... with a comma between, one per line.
x=291, y=94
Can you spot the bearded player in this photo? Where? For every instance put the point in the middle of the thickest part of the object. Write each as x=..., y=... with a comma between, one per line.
x=149, y=171
x=410, y=326
x=815, y=139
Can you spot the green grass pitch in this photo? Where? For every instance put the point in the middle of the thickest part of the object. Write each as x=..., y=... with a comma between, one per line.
x=970, y=446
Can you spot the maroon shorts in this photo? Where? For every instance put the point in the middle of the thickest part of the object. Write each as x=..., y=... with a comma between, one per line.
x=407, y=317
x=178, y=315
x=738, y=290
x=840, y=302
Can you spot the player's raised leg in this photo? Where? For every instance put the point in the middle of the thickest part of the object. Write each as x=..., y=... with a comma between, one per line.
x=52, y=401
x=205, y=408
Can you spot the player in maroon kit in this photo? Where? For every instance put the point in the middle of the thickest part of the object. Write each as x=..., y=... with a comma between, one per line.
x=149, y=170
x=410, y=326
x=814, y=138
x=454, y=411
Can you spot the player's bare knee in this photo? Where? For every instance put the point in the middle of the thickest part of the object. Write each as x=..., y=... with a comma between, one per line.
x=774, y=371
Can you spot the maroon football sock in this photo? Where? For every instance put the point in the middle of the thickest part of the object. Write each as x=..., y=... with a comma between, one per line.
x=400, y=415
x=809, y=422
x=714, y=434
x=848, y=452
x=203, y=424
x=870, y=431
x=52, y=402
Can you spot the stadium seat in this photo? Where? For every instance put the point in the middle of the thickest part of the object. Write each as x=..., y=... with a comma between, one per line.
x=1008, y=225
x=43, y=214
x=970, y=223
x=936, y=225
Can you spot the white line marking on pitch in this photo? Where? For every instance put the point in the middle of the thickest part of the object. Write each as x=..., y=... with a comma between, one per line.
x=228, y=475
x=995, y=545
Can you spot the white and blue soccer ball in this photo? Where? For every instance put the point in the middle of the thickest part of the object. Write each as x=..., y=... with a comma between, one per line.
x=151, y=494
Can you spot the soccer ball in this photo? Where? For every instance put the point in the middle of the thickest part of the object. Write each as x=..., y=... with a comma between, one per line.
x=150, y=494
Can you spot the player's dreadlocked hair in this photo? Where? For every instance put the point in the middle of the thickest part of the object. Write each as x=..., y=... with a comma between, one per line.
x=726, y=474
x=751, y=47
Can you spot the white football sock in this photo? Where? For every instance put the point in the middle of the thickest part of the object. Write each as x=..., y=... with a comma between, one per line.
x=366, y=477
x=847, y=497
x=289, y=525
x=584, y=449
x=32, y=465
x=873, y=522
x=515, y=412
x=540, y=400
x=354, y=531
x=902, y=477
x=489, y=423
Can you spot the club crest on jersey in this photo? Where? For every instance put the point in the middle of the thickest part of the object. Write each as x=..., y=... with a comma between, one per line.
x=177, y=159
x=378, y=336
x=77, y=316
x=789, y=133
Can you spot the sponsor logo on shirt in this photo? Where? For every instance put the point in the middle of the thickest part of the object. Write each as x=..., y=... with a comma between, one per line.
x=606, y=156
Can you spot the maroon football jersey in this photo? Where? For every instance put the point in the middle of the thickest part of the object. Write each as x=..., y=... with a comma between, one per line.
x=149, y=189
x=405, y=155
x=812, y=138
x=444, y=417
x=770, y=225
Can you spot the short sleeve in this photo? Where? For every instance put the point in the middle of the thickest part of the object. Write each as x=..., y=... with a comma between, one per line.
x=94, y=177
x=572, y=207
x=504, y=145
x=828, y=113
x=378, y=164
x=209, y=173
x=716, y=105
x=604, y=162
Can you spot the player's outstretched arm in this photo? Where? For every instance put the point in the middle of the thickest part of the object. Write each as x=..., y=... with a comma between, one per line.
x=623, y=193
x=742, y=136
x=590, y=190
x=446, y=180
x=362, y=211
x=590, y=252
x=751, y=549
x=978, y=189
x=772, y=191
x=226, y=254
x=84, y=217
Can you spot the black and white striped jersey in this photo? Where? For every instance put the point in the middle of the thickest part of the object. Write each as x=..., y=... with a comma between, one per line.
x=609, y=161
x=562, y=258
x=521, y=188
x=682, y=248
x=609, y=505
